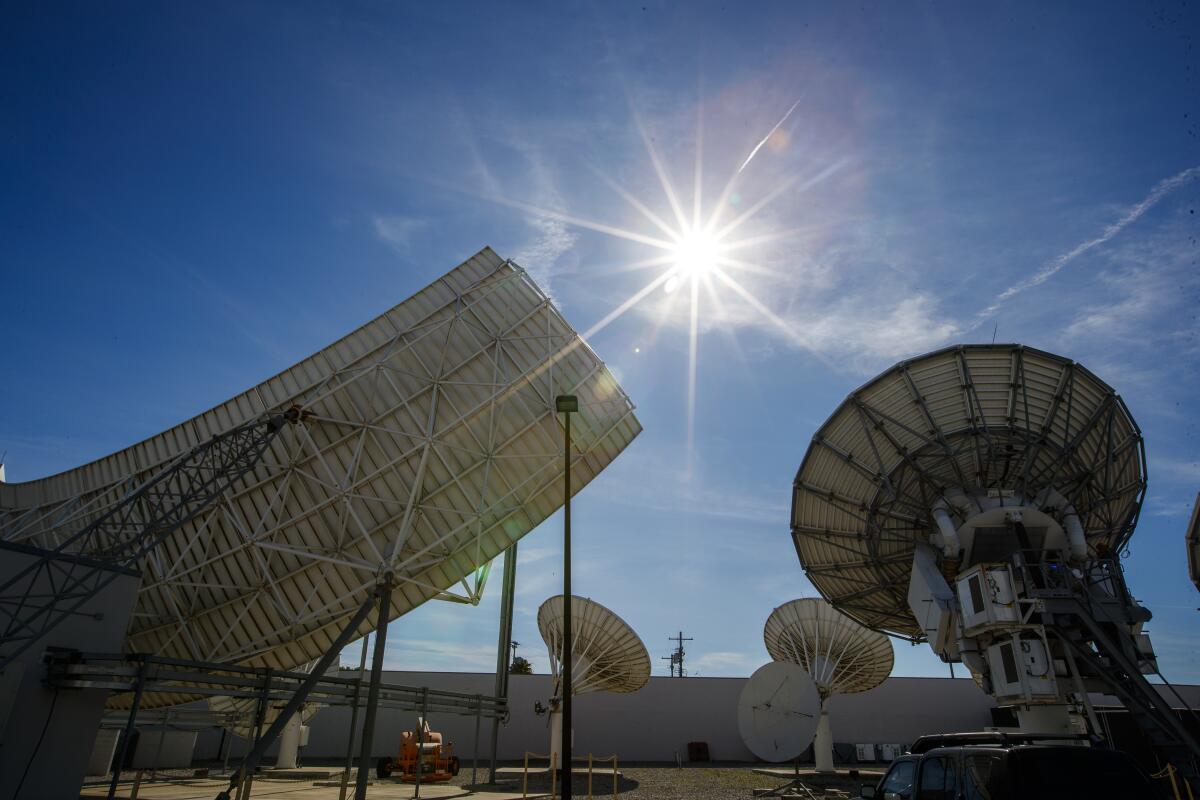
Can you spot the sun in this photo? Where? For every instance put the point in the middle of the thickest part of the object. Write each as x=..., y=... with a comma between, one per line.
x=696, y=253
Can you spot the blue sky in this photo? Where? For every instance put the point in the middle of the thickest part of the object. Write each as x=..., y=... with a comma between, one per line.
x=193, y=197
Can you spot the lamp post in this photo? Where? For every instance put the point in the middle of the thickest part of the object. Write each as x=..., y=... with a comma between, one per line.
x=565, y=404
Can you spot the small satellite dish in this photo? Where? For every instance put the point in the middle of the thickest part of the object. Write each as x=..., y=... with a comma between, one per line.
x=778, y=711
x=607, y=655
x=840, y=655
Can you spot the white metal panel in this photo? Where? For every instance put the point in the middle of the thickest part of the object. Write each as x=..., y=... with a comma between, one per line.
x=974, y=416
x=430, y=444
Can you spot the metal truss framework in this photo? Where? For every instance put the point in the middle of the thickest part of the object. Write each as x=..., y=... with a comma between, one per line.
x=427, y=446
x=61, y=581
x=1001, y=417
x=119, y=672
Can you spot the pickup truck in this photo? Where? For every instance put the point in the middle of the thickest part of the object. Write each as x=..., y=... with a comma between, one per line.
x=1001, y=767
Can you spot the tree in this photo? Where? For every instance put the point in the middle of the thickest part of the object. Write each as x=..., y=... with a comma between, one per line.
x=520, y=666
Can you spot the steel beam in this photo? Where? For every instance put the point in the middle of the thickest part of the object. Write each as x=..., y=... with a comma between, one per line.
x=384, y=592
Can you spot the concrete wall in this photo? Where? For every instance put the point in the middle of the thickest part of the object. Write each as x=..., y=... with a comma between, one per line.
x=56, y=759
x=656, y=722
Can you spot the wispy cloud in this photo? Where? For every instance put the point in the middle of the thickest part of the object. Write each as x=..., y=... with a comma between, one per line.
x=432, y=654
x=1131, y=215
x=396, y=231
x=1176, y=469
x=551, y=240
x=677, y=490
x=720, y=662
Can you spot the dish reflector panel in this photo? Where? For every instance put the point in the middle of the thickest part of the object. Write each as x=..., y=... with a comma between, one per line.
x=607, y=655
x=842, y=656
x=778, y=711
x=429, y=444
x=1001, y=418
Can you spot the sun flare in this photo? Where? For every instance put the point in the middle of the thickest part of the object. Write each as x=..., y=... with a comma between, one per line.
x=701, y=254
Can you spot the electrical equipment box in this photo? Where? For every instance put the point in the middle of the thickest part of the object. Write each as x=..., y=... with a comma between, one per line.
x=987, y=598
x=864, y=753
x=889, y=752
x=1021, y=669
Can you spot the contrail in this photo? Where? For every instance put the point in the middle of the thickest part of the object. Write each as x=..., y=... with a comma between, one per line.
x=1161, y=190
x=758, y=146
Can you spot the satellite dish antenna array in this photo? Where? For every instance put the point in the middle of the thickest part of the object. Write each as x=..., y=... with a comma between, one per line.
x=976, y=498
x=841, y=656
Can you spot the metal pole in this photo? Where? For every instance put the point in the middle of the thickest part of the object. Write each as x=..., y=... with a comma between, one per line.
x=162, y=735
x=475, y=747
x=222, y=750
x=129, y=728
x=368, y=734
x=260, y=718
x=502, y=648
x=421, y=723
x=362, y=668
x=566, y=404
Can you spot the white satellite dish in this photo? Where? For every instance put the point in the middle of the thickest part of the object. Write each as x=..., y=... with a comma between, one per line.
x=606, y=654
x=778, y=710
x=841, y=656
x=946, y=498
x=428, y=443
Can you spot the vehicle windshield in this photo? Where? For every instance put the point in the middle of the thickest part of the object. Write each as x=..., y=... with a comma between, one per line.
x=1078, y=772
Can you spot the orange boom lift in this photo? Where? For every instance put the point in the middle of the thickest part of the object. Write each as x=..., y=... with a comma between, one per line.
x=437, y=762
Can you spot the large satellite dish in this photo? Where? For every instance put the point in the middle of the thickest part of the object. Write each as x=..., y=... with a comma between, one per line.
x=841, y=656
x=777, y=711
x=428, y=444
x=607, y=655
x=1001, y=419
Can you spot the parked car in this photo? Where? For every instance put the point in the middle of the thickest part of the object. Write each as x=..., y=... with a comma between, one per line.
x=997, y=766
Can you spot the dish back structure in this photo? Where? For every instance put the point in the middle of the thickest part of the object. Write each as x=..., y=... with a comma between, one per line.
x=608, y=656
x=842, y=656
x=427, y=444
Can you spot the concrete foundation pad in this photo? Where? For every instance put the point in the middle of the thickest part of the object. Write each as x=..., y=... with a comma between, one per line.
x=207, y=788
x=869, y=773
x=300, y=774
x=517, y=772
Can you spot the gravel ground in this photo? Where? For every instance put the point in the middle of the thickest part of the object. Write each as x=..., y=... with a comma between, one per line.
x=717, y=782
x=721, y=782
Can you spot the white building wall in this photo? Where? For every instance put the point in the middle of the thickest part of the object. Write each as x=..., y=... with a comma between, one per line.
x=656, y=722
